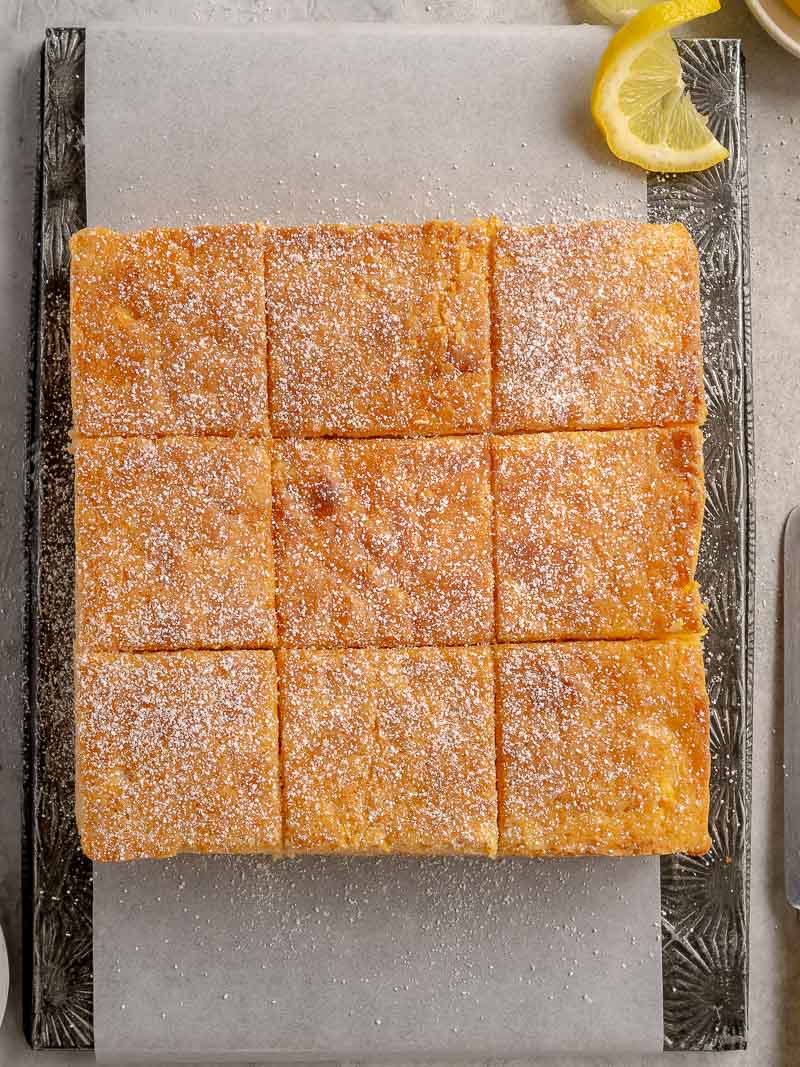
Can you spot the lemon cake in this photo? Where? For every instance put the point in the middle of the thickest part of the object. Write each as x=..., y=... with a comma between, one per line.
x=597, y=534
x=386, y=538
x=603, y=747
x=388, y=750
x=176, y=752
x=383, y=542
x=173, y=545
x=378, y=330
x=168, y=334
x=597, y=325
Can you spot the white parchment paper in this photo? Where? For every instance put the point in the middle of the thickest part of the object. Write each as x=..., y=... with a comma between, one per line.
x=315, y=123
x=323, y=958
x=249, y=959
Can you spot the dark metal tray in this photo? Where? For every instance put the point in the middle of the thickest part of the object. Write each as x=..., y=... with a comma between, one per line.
x=704, y=901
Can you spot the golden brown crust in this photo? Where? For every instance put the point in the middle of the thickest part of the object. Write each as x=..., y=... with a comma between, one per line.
x=383, y=542
x=378, y=329
x=597, y=534
x=389, y=750
x=603, y=748
x=168, y=333
x=172, y=543
x=596, y=325
x=176, y=752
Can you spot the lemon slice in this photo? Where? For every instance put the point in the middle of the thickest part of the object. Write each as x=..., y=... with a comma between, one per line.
x=639, y=100
x=619, y=11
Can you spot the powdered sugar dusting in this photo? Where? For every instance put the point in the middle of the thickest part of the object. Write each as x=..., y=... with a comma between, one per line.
x=603, y=748
x=379, y=330
x=167, y=331
x=177, y=752
x=596, y=325
x=173, y=543
x=389, y=750
x=598, y=533
x=383, y=542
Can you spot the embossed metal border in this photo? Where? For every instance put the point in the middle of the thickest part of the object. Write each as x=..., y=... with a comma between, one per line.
x=704, y=900
x=57, y=877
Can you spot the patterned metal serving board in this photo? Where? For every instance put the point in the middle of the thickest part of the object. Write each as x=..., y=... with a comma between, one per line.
x=704, y=901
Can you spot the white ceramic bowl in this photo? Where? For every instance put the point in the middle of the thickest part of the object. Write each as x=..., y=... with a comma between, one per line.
x=779, y=22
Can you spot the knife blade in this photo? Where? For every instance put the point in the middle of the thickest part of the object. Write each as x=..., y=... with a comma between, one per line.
x=791, y=707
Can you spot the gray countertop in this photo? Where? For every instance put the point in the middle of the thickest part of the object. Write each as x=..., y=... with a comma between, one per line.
x=774, y=102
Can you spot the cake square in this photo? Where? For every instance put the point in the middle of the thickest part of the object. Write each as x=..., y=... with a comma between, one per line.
x=173, y=543
x=603, y=748
x=383, y=542
x=388, y=750
x=177, y=752
x=597, y=534
x=168, y=332
x=378, y=330
x=597, y=325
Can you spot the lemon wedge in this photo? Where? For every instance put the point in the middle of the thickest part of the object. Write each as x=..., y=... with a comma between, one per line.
x=639, y=100
x=619, y=11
